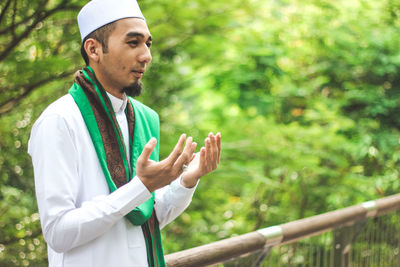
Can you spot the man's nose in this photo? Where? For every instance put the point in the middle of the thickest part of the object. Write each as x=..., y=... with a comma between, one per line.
x=145, y=55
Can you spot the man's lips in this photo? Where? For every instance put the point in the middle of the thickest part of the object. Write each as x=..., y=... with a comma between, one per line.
x=138, y=73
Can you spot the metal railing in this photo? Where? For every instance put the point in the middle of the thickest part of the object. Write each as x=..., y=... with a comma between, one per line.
x=362, y=235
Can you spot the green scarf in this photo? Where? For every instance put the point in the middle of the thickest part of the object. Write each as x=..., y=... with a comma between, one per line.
x=106, y=135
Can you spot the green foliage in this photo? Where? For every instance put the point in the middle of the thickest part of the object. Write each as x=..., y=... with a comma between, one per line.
x=306, y=95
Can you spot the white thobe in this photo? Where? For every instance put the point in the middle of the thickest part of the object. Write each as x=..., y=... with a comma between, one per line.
x=82, y=222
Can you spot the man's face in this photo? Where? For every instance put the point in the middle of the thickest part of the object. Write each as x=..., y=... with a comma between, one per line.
x=128, y=56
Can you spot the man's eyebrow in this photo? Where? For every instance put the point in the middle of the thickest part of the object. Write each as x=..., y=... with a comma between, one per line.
x=138, y=34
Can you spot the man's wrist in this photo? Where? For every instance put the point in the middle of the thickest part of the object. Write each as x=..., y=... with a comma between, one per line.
x=188, y=182
x=148, y=185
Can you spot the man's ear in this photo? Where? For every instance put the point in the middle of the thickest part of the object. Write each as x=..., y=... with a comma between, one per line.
x=93, y=50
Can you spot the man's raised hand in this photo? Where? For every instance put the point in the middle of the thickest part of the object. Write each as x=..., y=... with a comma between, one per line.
x=155, y=175
x=204, y=162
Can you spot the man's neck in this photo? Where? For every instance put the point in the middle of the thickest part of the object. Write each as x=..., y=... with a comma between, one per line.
x=104, y=82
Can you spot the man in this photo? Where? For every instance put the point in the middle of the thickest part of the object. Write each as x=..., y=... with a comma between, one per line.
x=102, y=194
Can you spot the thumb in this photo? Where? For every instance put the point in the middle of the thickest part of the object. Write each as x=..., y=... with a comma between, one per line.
x=147, y=150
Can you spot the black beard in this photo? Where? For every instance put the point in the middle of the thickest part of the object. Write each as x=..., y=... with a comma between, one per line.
x=134, y=90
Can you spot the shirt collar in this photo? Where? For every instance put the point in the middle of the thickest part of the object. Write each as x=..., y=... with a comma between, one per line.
x=117, y=103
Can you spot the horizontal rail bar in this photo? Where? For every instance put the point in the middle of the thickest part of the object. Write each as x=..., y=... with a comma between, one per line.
x=230, y=248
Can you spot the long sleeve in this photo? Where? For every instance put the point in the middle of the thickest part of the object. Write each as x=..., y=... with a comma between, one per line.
x=66, y=223
x=171, y=201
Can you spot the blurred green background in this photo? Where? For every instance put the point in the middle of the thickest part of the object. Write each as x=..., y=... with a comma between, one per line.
x=306, y=94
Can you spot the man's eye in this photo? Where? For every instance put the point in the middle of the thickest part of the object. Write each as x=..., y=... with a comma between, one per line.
x=133, y=43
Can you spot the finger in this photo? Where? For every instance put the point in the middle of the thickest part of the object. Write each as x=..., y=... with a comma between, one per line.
x=188, y=149
x=147, y=150
x=188, y=146
x=214, y=150
x=219, y=145
x=177, y=149
x=193, y=148
x=202, y=162
x=182, y=159
x=208, y=152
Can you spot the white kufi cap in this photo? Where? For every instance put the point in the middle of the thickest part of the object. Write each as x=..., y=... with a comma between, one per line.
x=98, y=13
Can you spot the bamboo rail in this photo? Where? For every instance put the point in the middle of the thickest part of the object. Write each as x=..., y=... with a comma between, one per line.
x=286, y=233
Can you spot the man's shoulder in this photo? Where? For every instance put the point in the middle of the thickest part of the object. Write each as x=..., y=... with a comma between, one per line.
x=64, y=107
x=59, y=120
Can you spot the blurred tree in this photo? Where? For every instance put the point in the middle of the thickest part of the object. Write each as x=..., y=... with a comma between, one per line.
x=23, y=51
